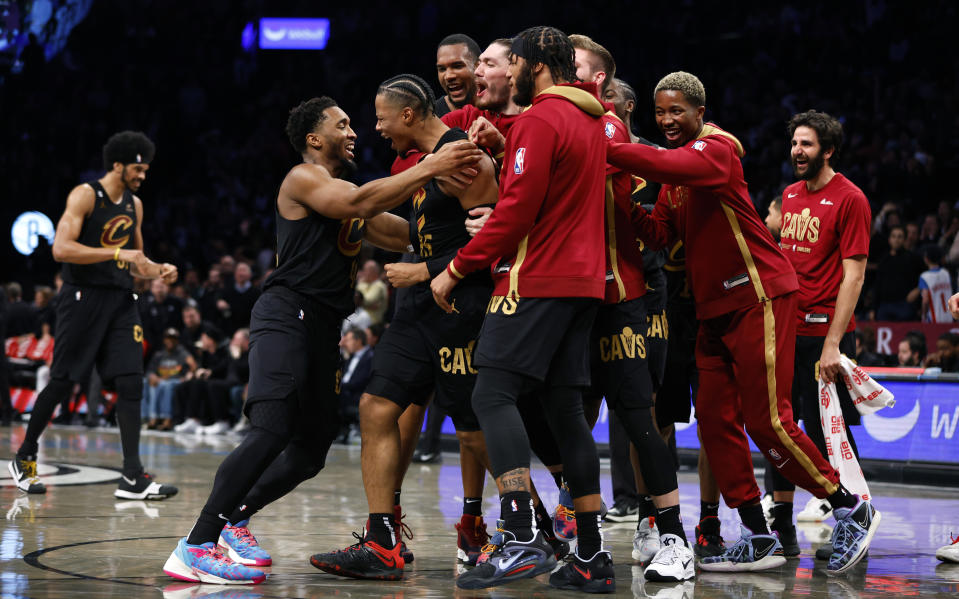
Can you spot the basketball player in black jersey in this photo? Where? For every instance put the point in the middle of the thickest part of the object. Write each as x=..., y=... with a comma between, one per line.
x=424, y=349
x=99, y=241
x=292, y=400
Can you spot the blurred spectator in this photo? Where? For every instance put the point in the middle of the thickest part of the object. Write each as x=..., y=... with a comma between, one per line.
x=935, y=287
x=159, y=311
x=374, y=332
x=225, y=396
x=912, y=349
x=930, y=232
x=208, y=295
x=192, y=329
x=237, y=298
x=164, y=372
x=946, y=355
x=895, y=278
x=21, y=316
x=373, y=290
x=45, y=306
x=356, y=374
x=864, y=357
x=191, y=398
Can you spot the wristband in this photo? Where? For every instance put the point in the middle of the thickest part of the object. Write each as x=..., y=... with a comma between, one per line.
x=116, y=255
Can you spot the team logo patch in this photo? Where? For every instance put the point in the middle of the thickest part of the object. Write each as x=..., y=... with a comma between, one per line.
x=350, y=238
x=610, y=130
x=519, y=162
x=138, y=333
x=116, y=232
x=699, y=145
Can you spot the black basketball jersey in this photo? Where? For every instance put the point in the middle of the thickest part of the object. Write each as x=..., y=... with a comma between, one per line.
x=109, y=226
x=317, y=257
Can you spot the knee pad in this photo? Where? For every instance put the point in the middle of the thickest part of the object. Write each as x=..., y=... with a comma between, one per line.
x=129, y=387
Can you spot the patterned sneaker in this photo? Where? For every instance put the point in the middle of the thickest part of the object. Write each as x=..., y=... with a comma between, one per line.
x=816, y=510
x=674, y=562
x=471, y=537
x=495, y=542
x=709, y=543
x=564, y=518
x=850, y=539
x=405, y=531
x=950, y=552
x=513, y=560
x=205, y=563
x=364, y=559
x=142, y=486
x=790, y=542
x=241, y=546
x=590, y=576
x=646, y=543
x=750, y=553
x=24, y=473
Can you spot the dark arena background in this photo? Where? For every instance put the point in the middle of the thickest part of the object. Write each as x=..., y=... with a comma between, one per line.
x=203, y=80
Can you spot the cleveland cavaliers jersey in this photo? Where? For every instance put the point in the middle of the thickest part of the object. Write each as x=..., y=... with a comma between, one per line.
x=317, y=257
x=110, y=225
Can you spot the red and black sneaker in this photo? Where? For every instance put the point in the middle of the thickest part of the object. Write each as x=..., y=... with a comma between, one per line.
x=593, y=576
x=471, y=537
x=709, y=541
x=364, y=559
x=405, y=531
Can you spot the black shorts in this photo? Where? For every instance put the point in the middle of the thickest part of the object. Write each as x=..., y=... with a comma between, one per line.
x=432, y=351
x=806, y=379
x=657, y=346
x=680, y=377
x=97, y=325
x=294, y=353
x=618, y=356
x=541, y=337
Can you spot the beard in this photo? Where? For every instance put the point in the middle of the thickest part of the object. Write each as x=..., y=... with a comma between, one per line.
x=524, y=87
x=813, y=166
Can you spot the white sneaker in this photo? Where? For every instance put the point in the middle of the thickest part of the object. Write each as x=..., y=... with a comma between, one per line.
x=674, y=562
x=816, y=510
x=190, y=425
x=767, y=502
x=217, y=428
x=950, y=552
x=646, y=540
x=241, y=425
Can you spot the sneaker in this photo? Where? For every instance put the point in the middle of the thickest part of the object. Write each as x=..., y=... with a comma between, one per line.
x=950, y=552
x=767, y=503
x=217, y=428
x=513, y=560
x=646, y=542
x=750, y=553
x=495, y=542
x=854, y=530
x=824, y=553
x=816, y=510
x=190, y=425
x=405, y=531
x=564, y=518
x=560, y=548
x=427, y=457
x=24, y=473
x=142, y=486
x=674, y=562
x=471, y=537
x=788, y=539
x=205, y=563
x=241, y=546
x=364, y=559
x=623, y=511
x=590, y=576
x=709, y=543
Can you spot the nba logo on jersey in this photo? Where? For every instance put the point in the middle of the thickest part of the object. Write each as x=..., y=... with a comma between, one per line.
x=519, y=161
x=699, y=145
x=610, y=130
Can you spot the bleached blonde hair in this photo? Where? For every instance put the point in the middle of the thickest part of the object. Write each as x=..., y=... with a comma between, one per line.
x=687, y=83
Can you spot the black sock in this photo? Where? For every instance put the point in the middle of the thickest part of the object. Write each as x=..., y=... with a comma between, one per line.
x=396, y=497
x=516, y=510
x=708, y=510
x=544, y=521
x=473, y=506
x=669, y=522
x=207, y=528
x=842, y=498
x=782, y=515
x=558, y=479
x=383, y=530
x=646, y=507
x=754, y=519
x=244, y=512
x=589, y=534
x=128, y=421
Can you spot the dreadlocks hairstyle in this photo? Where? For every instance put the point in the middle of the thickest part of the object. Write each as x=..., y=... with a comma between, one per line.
x=128, y=147
x=305, y=118
x=687, y=83
x=606, y=62
x=828, y=129
x=409, y=90
x=472, y=48
x=549, y=46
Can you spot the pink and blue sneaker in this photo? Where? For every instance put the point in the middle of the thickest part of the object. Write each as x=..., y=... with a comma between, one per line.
x=205, y=563
x=241, y=546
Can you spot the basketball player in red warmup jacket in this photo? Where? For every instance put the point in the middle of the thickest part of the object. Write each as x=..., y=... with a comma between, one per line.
x=746, y=301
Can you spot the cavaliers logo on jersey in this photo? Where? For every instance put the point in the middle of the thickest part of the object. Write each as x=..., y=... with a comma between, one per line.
x=418, y=198
x=350, y=237
x=116, y=232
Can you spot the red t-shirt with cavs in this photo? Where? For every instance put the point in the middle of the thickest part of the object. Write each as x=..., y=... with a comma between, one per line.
x=819, y=230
